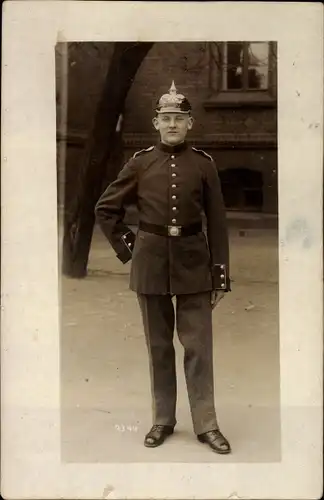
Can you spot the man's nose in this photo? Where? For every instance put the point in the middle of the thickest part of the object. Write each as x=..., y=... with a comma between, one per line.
x=172, y=122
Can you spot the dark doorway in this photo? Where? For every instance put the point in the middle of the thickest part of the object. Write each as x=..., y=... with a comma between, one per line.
x=242, y=189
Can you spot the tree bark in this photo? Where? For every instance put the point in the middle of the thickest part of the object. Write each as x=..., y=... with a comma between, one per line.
x=79, y=222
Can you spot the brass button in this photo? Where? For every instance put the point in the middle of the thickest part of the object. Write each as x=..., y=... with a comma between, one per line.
x=129, y=244
x=222, y=276
x=174, y=208
x=172, y=157
x=174, y=175
x=223, y=285
x=174, y=221
x=174, y=197
x=174, y=186
x=173, y=165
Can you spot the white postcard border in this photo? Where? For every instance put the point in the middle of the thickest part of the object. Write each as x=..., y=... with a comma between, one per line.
x=31, y=465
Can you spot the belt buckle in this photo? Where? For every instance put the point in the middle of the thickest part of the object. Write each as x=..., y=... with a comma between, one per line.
x=174, y=230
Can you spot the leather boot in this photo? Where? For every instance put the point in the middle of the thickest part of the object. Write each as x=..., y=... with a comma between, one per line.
x=157, y=435
x=216, y=441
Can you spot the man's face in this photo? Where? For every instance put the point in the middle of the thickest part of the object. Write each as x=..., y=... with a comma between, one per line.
x=173, y=127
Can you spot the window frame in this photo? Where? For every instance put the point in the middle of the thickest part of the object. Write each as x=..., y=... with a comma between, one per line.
x=220, y=97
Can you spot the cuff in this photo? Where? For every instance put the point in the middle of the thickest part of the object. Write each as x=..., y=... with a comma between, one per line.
x=128, y=241
x=221, y=280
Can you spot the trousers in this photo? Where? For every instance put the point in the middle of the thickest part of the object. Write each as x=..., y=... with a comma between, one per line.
x=192, y=316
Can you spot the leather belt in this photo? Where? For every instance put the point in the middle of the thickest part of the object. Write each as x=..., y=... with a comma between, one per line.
x=173, y=231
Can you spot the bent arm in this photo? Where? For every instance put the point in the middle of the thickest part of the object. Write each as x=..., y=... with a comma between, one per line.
x=110, y=211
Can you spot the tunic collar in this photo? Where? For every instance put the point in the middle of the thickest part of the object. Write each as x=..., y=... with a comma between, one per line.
x=172, y=149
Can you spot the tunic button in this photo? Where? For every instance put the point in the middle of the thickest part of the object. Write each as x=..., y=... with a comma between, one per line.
x=174, y=175
x=174, y=186
x=129, y=244
x=222, y=276
x=174, y=221
x=172, y=164
x=174, y=197
x=222, y=285
x=172, y=157
x=174, y=208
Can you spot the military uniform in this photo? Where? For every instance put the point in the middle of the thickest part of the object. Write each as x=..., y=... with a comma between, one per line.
x=171, y=255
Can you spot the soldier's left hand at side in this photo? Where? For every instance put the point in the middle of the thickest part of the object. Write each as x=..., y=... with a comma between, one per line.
x=216, y=297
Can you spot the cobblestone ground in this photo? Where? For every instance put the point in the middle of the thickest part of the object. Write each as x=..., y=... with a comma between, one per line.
x=106, y=406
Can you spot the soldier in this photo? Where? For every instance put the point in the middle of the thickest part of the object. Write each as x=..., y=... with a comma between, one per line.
x=173, y=185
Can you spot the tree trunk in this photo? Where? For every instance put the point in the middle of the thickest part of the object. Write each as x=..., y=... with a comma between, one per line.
x=78, y=226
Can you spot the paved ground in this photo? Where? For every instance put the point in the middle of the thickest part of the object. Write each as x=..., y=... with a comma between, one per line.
x=104, y=367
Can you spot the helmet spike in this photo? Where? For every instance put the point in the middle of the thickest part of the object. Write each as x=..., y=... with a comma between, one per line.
x=173, y=89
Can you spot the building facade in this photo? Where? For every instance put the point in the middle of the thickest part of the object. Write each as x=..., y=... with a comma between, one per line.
x=232, y=87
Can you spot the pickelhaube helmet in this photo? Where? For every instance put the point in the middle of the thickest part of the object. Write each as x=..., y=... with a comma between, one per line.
x=173, y=102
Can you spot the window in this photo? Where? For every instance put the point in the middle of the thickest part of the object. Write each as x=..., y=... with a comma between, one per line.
x=242, y=73
x=245, y=66
x=242, y=189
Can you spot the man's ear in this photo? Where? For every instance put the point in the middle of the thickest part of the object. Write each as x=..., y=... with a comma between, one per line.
x=190, y=122
x=155, y=123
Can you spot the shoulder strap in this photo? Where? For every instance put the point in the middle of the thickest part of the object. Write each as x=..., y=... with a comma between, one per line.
x=202, y=152
x=142, y=151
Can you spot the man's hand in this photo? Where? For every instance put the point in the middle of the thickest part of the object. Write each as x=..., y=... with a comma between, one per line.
x=216, y=297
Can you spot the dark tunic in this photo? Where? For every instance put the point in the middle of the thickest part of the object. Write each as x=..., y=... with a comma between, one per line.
x=170, y=186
